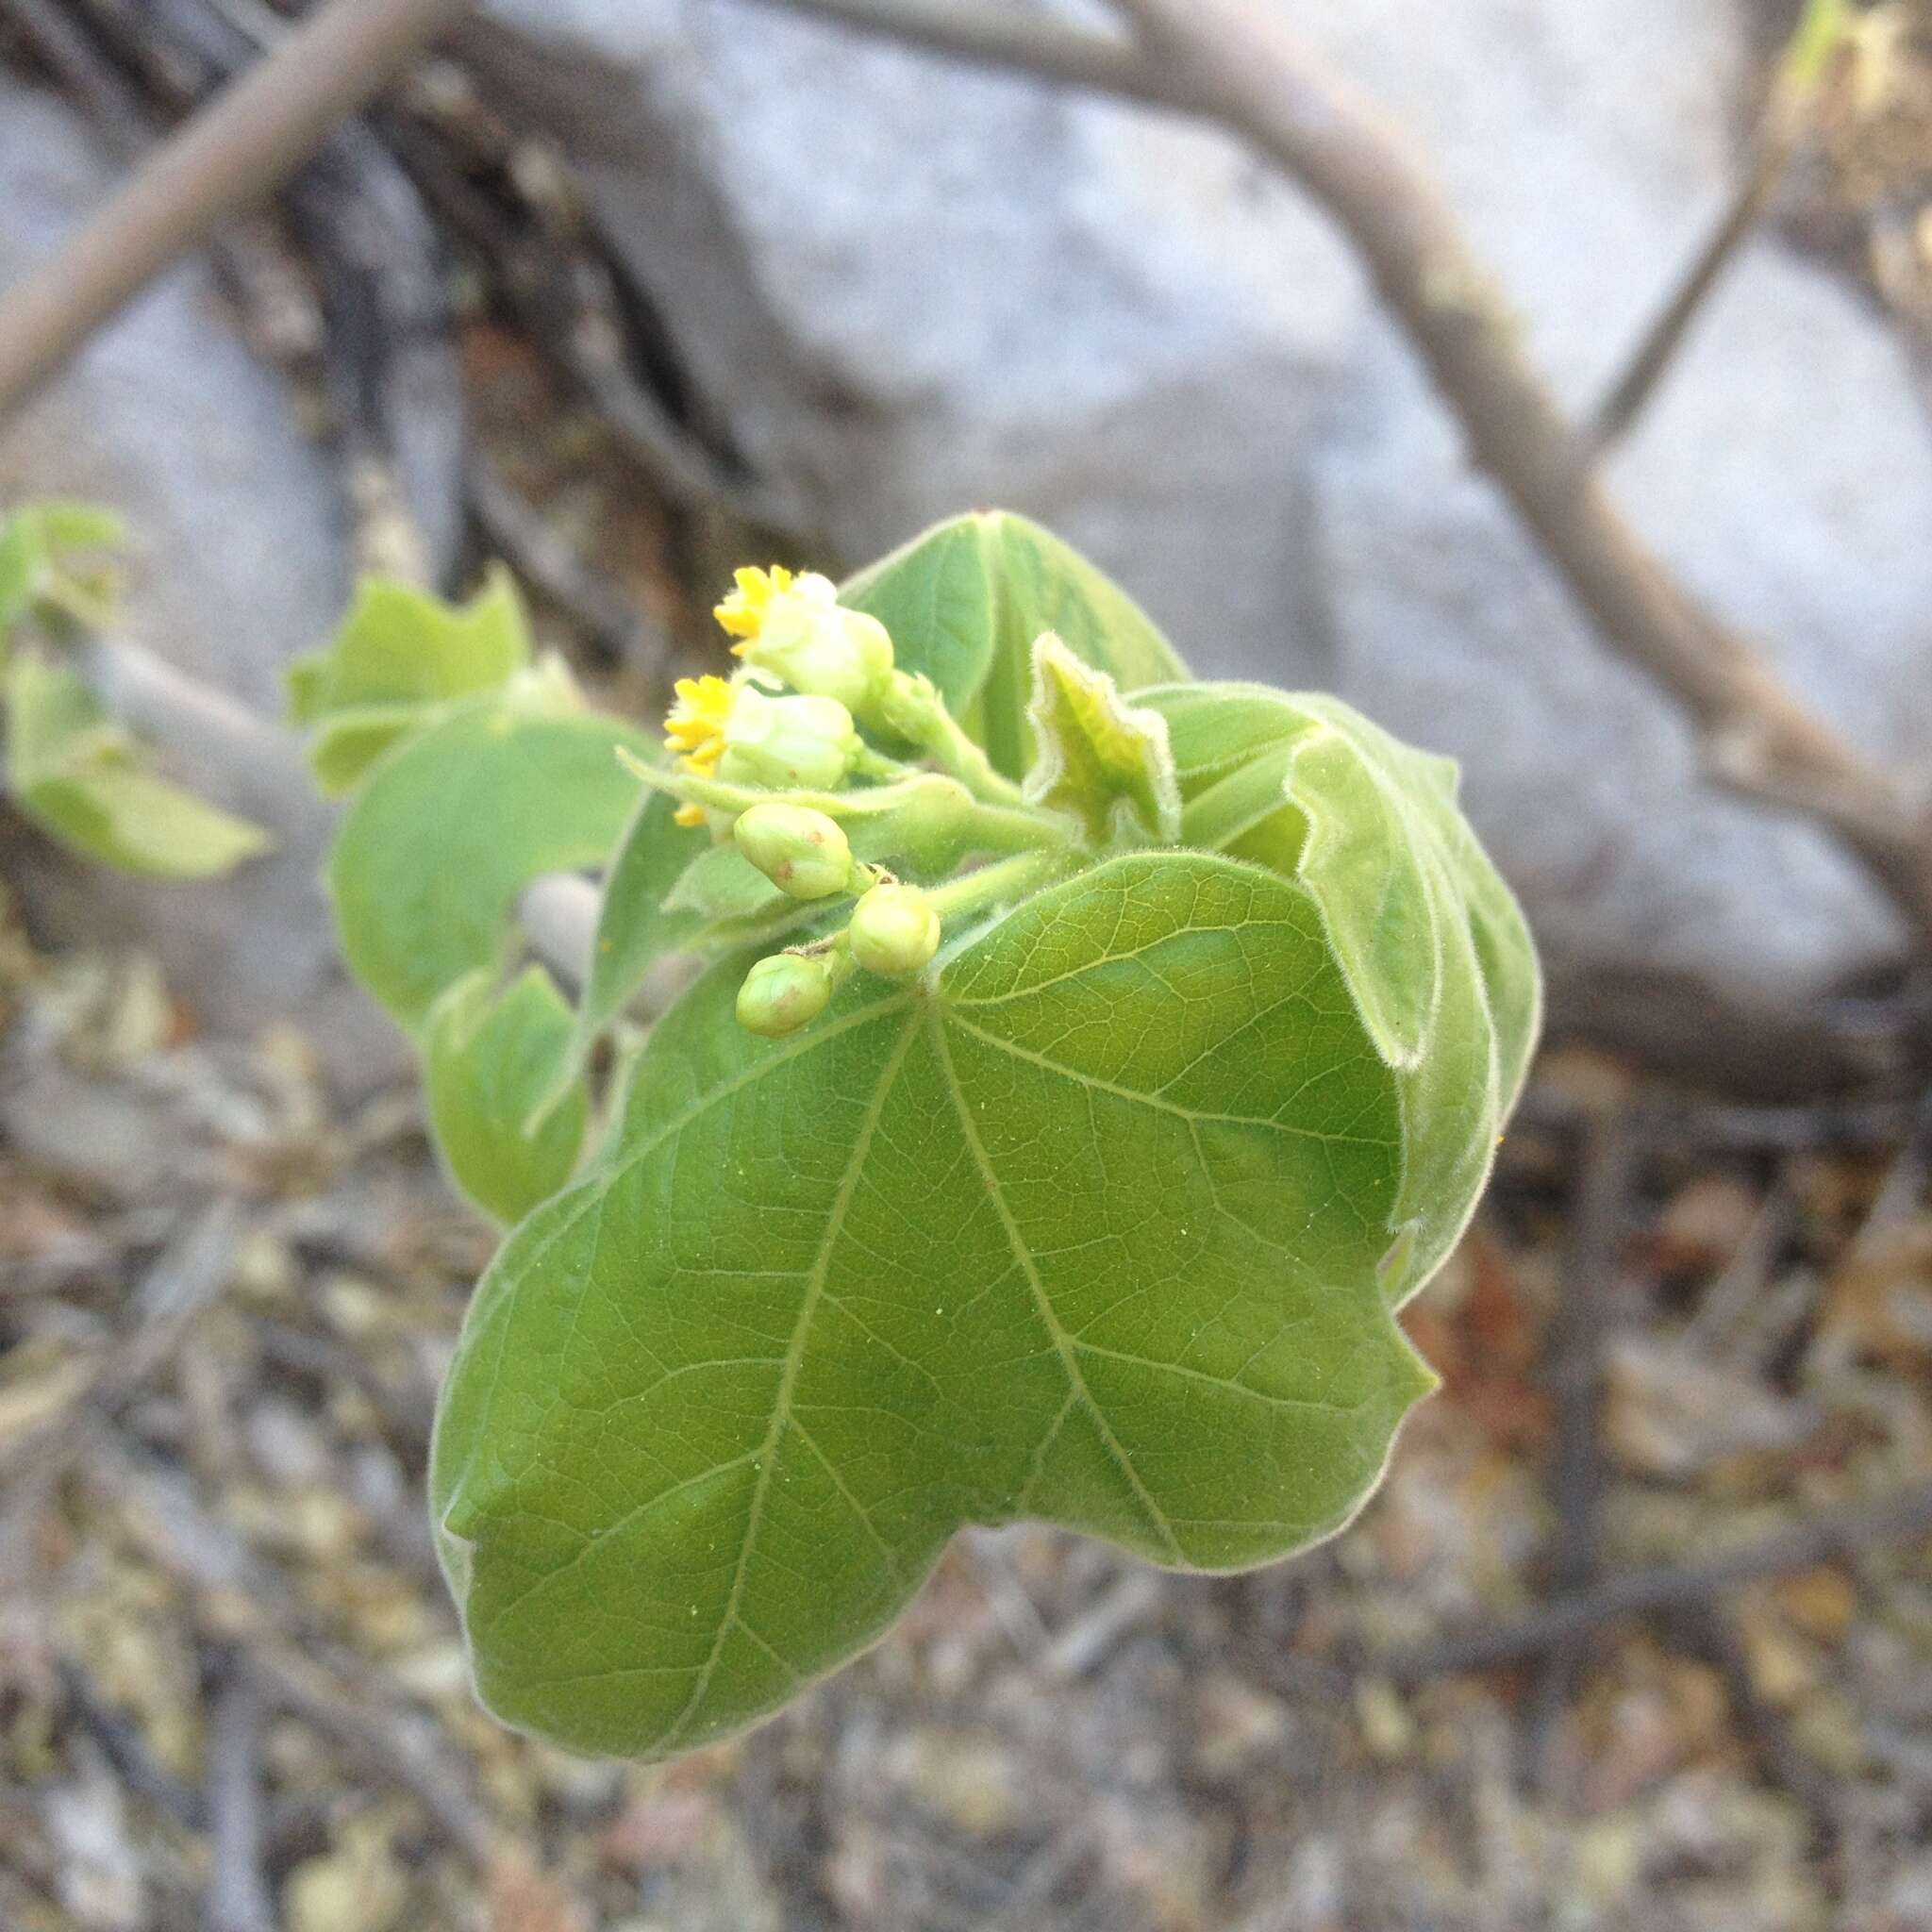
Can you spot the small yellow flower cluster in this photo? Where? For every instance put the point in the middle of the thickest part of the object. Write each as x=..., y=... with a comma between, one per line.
x=793, y=636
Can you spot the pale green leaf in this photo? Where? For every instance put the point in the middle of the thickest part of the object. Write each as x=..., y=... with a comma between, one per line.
x=1087, y=1229
x=399, y=656
x=722, y=884
x=965, y=601
x=488, y=1058
x=86, y=781
x=49, y=556
x=1428, y=937
x=452, y=824
x=1098, y=758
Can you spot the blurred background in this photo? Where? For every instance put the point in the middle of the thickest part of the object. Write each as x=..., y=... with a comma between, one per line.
x=625, y=293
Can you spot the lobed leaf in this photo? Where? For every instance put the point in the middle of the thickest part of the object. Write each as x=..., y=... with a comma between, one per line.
x=1428, y=939
x=1102, y=760
x=1085, y=1228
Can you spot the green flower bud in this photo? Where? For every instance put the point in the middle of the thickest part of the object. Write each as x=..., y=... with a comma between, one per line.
x=894, y=931
x=788, y=742
x=801, y=851
x=783, y=993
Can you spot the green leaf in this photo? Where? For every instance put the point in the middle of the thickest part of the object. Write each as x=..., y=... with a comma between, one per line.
x=86, y=781
x=48, y=556
x=399, y=655
x=1428, y=939
x=488, y=1058
x=722, y=884
x=1103, y=761
x=965, y=601
x=1087, y=1229
x=451, y=826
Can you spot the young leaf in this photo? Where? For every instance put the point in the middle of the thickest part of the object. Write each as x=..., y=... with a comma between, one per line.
x=1103, y=761
x=452, y=824
x=44, y=550
x=965, y=601
x=1428, y=939
x=486, y=1060
x=397, y=653
x=1088, y=1232
x=84, y=780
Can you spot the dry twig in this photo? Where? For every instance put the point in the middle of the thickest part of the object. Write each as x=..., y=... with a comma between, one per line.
x=1575, y=1376
x=1638, y=1592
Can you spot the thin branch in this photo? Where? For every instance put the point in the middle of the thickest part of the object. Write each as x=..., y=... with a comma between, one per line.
x=1576, y=1375
x=238, y=1892
x=228, y=158
x=1225, y=62
x=978, y=31
x=1759, y=735
x=1830, y=1538
x=1625, y=399
x=1809, y=58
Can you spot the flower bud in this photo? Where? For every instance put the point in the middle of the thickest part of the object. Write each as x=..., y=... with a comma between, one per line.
x=782, y=993
x=801, y=851
x=796, y=629
x=894, y=931
x=787, y=742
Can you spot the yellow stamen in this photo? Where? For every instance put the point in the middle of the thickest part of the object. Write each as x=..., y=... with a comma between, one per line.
x=689, y=815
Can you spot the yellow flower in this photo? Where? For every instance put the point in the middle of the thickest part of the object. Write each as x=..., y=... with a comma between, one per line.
x=793, y=629
x=744, y=611
x=695, y=729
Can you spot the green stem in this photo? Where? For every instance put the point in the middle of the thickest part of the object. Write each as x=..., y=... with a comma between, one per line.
x=962, y=757
x=1012, y=878
x=911, y=708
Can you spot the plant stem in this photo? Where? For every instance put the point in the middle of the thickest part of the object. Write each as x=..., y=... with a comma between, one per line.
x=913, y=708
x=1008, y=879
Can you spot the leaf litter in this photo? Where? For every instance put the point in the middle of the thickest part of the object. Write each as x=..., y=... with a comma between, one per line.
x=232, y=1690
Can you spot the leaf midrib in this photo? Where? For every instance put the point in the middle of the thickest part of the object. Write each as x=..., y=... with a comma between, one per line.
x=1063, y=1343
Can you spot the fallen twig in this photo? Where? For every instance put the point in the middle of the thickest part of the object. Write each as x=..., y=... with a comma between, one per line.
x=1828, y=1538
x=243, y=1604
x=238, y=1893
x=1575, y=1377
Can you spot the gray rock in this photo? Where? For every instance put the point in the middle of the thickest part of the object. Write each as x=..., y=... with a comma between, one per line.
x=909, y=287
x=237, y=565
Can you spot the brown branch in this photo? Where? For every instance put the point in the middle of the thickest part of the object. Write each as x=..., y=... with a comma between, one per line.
x=1627, y=396
x=1222, y=60
x=980, y=32
x=227, y=159
x=1759, y=735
